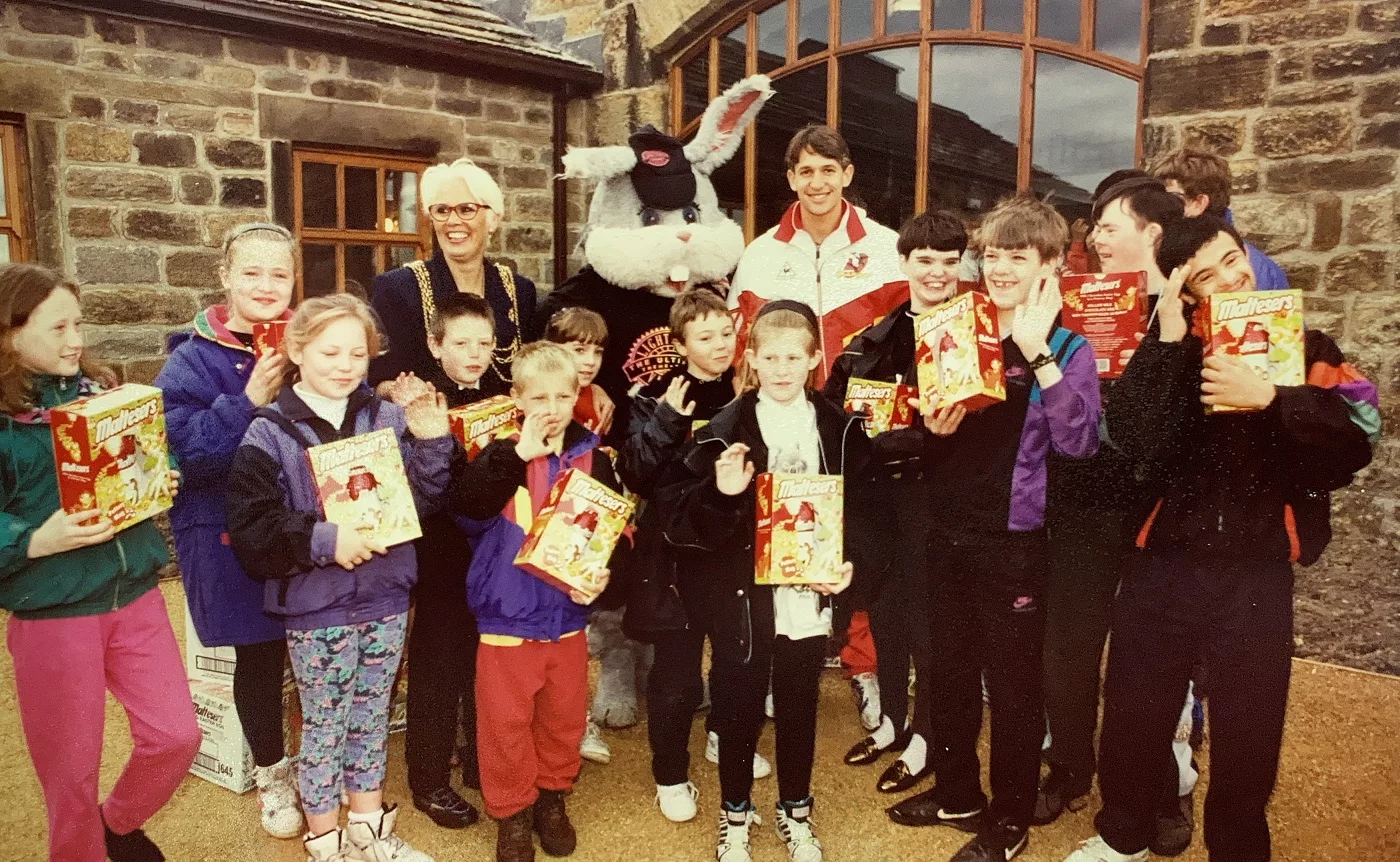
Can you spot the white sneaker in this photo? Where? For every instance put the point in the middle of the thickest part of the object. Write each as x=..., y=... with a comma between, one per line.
x=768, y=705
x=371, y=842
x=677, y=801
x=796, y=833
x=325, y=848
x=865, y=688
x=733, y=842
x=761, y=767
x=594, y=747
x=1097, y=850
x=277, y=799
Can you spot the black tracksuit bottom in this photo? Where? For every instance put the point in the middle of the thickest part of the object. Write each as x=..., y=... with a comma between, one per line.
x=1238, y=615
x=890, y=541
x=1089, y=552
x=988, y=614
x=738, y=691
x=441, y=658
x=257, y=697
x=674, y=692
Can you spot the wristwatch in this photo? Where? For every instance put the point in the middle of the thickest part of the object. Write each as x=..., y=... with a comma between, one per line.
x=1041, y=361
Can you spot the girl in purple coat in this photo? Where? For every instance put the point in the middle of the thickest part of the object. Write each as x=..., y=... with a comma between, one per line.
x=212, y=383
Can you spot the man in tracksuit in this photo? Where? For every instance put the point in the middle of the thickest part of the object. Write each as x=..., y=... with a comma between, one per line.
x=1240, y=497
x=890, y=516
x=988, y=550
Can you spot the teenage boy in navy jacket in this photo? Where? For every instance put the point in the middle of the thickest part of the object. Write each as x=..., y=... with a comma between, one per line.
x=988, y=548
x=1240, y=497
x=890, y=514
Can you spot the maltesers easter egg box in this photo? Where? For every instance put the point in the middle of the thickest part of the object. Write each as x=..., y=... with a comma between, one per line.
x=798, y=535
x=575, y=533
x=362, y=486
x=957, y=350
x=1263, y=329
x=111, y=454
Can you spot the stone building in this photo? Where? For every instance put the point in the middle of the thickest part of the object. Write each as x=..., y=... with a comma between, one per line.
x=145, y=137
x=133, y=138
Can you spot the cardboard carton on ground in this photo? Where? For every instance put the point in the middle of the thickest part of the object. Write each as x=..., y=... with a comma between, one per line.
x=1110, y=311
x=111, y=454
x=575, y=532
x=798, y=535
x=476, y=425
x=957, y=349
x=224, y=757
x=206, y=664
x=1263, y=329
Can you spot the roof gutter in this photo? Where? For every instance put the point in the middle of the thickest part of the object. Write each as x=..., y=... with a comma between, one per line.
x=251, y=19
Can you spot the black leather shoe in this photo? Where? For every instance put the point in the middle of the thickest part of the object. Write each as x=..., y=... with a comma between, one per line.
x=865, y=752
x=1174, y=829
x=1058, y=793
x=446, y=808
x=898, y=778
x=924, y=810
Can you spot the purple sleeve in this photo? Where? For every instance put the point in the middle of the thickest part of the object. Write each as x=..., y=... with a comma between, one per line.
x=1072, y=406
x=323, y=536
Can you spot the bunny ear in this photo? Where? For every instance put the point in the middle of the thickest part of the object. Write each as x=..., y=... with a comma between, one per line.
x=722, y=127
x=598, y=163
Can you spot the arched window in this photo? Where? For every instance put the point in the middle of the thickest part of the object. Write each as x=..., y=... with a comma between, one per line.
x=947, y=104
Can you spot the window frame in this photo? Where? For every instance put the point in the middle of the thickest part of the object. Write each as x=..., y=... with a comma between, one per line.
x=14, y=222
x=1027, y=41
x=339, y=237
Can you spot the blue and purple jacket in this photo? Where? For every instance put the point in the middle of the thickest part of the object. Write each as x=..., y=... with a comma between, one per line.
x=989, y=476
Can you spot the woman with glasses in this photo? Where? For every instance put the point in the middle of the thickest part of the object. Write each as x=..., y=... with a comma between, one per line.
x=465, y=207
x=213, y=382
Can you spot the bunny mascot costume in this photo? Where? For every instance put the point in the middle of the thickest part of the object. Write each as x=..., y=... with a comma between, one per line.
x=654, y=228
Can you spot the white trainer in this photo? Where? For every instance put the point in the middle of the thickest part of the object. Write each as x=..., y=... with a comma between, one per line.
x=677, y=801
x=325, y=848
x=733, y=842
x=594, y=747
x=376, y=841
x=865, y=688
x=1097, y=850
x=277, y=799
x=795, y=829
x=761, y=767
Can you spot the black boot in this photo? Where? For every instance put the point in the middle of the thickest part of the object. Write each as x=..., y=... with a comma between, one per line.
x=557, y=835
x=134, y=846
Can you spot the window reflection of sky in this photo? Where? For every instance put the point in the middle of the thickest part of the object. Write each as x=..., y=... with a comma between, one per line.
x=1084, y=121
x=982, y=82
x=1118, y=28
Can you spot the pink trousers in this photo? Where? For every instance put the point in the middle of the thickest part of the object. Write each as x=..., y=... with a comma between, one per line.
x=63, y=671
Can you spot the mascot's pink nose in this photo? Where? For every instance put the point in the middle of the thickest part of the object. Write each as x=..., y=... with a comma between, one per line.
x=683, y=235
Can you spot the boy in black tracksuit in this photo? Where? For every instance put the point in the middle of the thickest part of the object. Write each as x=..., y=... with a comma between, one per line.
x=661, y=420
x=988, y=547
x=1241, y=496
x=890, y=516
x=442, y=643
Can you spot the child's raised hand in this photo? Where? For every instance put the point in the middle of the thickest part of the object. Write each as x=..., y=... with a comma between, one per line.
x=733, y=472
x=65, y=532
x=426, y=415
x=1035, y=317
x=847, y=572
x=352, y=548
x=675, y=396
x=407, y=388
x=266, y=379
x=1171, y=309
x=532, y=444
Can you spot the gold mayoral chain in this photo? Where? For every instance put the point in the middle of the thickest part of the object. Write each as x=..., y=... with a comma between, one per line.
x=502, y=356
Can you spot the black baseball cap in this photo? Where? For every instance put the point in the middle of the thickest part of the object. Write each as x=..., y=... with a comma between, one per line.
x=662, y=177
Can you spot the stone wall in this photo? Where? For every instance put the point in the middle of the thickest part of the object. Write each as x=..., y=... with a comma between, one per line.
x=146, y=142
x=1304, y=99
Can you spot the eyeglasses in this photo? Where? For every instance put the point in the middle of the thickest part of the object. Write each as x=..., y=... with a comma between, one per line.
x=467, y=211
x=242, y=229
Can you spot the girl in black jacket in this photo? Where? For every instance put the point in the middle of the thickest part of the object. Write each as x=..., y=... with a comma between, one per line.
x=756, y=631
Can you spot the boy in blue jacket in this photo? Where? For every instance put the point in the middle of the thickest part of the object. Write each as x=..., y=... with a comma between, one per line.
x=532, y=661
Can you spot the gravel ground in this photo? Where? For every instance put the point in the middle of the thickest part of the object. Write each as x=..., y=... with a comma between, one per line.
x=1336, y=799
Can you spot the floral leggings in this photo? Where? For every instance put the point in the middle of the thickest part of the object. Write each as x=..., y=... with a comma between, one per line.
x=345, y=675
